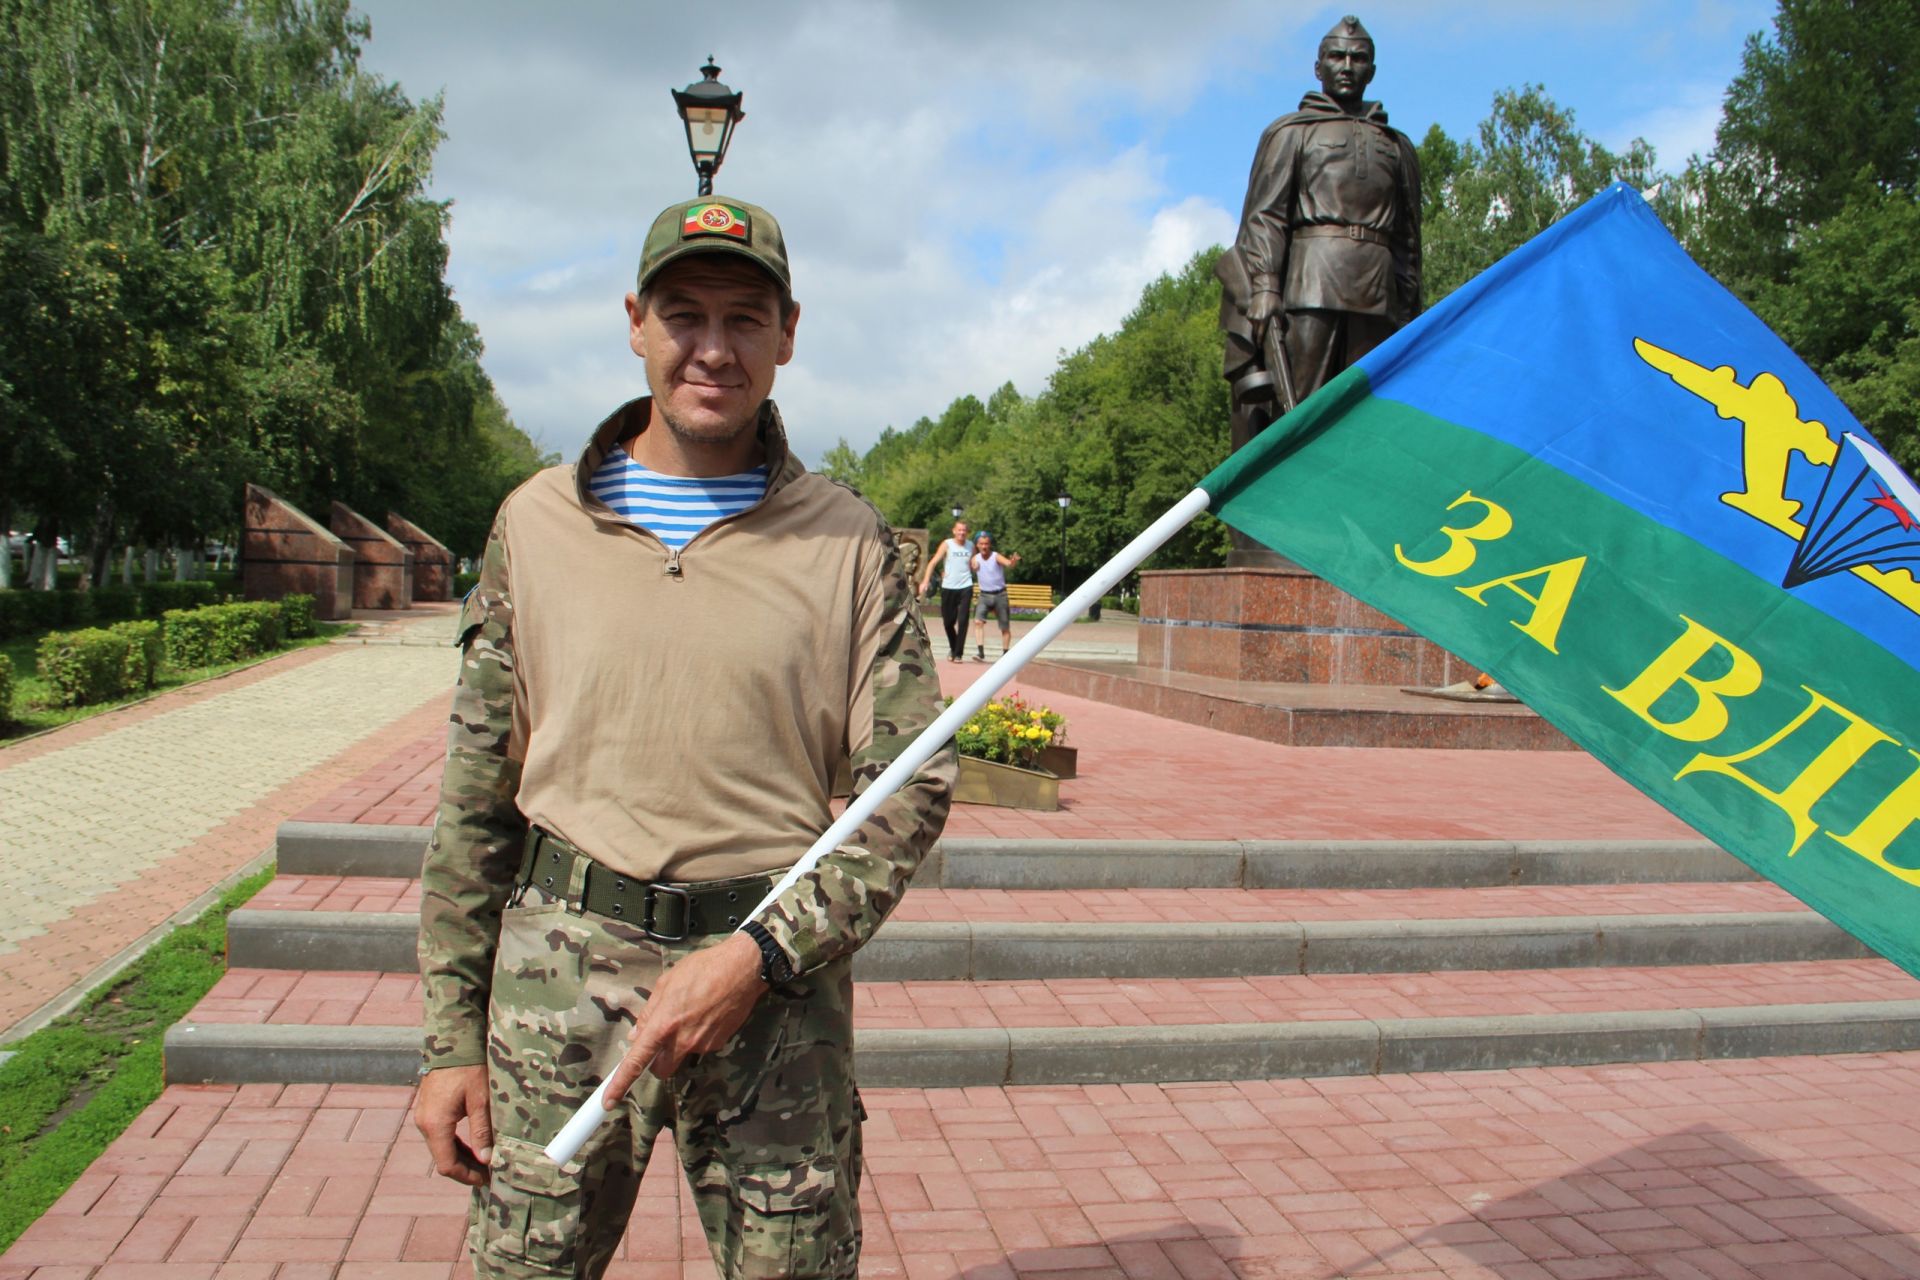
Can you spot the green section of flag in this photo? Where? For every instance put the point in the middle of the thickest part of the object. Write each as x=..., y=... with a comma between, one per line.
x=1353, y=476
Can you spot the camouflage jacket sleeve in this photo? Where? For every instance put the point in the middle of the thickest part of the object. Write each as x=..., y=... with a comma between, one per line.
x=833, y=909
x=474, y=853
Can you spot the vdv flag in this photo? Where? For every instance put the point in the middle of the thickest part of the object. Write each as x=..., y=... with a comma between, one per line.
x=1592, y=472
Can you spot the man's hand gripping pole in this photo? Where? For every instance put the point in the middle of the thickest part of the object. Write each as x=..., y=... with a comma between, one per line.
x=573, y=1135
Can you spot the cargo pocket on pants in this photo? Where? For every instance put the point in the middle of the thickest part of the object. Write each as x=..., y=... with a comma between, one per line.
x=787, y=1225
x=529, y=1211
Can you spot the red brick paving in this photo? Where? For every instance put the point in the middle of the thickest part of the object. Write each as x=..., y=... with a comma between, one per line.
x=368, y=999
x=1771, y=1168
x=1145, y=778
x=1762, y=1169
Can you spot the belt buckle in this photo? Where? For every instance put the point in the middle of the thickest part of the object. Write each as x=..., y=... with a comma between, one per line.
x=686, y=914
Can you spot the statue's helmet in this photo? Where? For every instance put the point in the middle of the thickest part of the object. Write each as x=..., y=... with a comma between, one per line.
x=1348, y=28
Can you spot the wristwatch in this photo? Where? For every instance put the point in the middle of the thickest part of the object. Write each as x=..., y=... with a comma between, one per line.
x=775, y=968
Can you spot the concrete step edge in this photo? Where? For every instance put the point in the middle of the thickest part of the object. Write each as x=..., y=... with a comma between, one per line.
x=233, y=1053
x=353, y=849
x=925, y=951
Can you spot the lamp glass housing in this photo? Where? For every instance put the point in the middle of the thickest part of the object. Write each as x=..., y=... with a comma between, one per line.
x=707, y=130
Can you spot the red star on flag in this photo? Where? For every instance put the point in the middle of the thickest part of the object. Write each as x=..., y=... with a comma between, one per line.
x=1900, y=513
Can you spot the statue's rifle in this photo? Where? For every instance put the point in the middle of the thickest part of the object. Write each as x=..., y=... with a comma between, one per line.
x=1273, y=338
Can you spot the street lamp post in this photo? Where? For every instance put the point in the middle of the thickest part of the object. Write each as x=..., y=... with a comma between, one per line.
x=1065, y=502
x=710, y=110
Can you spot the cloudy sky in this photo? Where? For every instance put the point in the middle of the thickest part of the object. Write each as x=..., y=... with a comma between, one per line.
x=967, y=189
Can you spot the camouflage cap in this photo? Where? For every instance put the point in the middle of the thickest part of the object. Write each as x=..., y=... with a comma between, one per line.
x=715, y=224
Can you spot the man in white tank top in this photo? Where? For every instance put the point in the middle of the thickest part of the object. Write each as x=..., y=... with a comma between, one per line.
x=956, y=587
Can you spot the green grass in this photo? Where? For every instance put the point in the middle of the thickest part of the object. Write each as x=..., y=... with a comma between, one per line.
x=33, y=711
x=76, y=1084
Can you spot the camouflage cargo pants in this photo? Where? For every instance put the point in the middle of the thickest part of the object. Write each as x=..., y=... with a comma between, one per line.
x=768, y=1130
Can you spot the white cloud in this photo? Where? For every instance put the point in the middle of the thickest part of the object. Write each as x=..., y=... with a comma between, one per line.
x=956, y=210
x=966, y=189
x=1679, y=128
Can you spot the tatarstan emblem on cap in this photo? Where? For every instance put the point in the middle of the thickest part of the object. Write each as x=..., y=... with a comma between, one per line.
x=715, y=220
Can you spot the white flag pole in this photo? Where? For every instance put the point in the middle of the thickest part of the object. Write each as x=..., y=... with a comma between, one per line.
x=573, y=1135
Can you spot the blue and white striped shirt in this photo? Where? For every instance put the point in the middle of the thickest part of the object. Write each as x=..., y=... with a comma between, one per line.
x=674, y=507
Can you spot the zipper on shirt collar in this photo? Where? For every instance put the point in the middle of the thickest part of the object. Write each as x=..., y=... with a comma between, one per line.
x=673, y=561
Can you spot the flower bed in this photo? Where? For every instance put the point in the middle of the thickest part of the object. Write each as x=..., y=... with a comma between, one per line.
x=1011, y=730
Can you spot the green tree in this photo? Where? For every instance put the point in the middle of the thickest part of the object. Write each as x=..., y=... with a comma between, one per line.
x=843, y=464
x=1850, y=307
x=267, y=275
x=1530, y=166
x=1806, y=207
x=1825, y=111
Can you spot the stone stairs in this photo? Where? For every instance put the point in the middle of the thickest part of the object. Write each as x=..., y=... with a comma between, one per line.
x=1077, y=962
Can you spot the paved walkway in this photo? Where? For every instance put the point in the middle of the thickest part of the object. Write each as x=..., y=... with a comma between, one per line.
x=117, y=823
x=1146, y=778
x=1761, y=1169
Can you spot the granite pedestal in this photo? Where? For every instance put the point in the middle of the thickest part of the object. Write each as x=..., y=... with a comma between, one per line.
x=1280, y=626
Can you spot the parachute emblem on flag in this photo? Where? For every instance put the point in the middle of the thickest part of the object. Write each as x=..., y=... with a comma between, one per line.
x=1848, y=527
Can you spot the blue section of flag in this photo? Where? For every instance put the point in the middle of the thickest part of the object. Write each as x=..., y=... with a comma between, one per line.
x=1522, y=366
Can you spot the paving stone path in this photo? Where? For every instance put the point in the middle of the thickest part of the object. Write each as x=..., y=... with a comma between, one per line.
x=1766, y=1169
x=116, y=824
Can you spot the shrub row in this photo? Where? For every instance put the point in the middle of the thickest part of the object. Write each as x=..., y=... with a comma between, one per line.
x=463, y=583
x=6, y=689
x=97, y=665
x=222, y=633
x=297, y=615
x=26, y=612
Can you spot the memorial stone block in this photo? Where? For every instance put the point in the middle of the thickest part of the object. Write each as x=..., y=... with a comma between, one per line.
x=383, y=572
x=432, y=562
x=284, y=552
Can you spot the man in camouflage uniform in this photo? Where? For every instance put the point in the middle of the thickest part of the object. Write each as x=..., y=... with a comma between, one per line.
x=644, y=736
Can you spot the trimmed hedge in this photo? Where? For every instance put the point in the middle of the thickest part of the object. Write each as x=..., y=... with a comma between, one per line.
x=24, y=613
x=84, y=666
x=463, y=583
x=158, y=597
x=146, y=650
x=221, y=633
x=296, y=614
x=6, y=689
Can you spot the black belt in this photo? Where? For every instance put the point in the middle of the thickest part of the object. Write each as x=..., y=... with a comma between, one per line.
x=665, y=912
x=1341, y=231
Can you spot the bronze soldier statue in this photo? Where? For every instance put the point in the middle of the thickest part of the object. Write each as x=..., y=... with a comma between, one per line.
x=1327, y=262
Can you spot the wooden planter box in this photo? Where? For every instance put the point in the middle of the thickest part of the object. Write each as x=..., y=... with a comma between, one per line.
x=987, y=782
x=1062, y=762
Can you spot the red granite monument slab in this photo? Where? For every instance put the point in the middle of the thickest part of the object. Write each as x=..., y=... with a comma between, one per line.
x=284, y=551
x=1280, y=625
x=383, y=572
x=432, y=562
